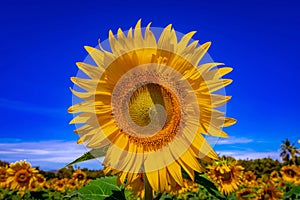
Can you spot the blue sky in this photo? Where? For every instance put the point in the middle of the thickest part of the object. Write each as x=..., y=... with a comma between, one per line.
x=41, y=41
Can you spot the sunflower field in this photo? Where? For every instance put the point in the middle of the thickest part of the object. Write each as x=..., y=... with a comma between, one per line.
x=227, y=178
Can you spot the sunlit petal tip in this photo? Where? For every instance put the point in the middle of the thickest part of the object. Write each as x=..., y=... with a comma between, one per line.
x=88, y=48
x=70, y=109
x=229, y=121
x=169, y=27
x=148, y=26
x=79, y=141
x=120, y=32
x=111, y=35
x=138, y=24
x=206, y=45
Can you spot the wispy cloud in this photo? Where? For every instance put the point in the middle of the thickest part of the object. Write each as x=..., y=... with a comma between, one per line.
x=235, y=140
x=250, y=154
x=24, y=106
x=47, y=154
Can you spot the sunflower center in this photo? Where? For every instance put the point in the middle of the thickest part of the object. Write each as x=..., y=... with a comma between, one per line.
x=226, y=177
x=40, y=180
x=291, y=173
x=22, y=176
x=246, y=193
x=80, y=177
x=155, y=112
x=147, y=104
x=2, y=178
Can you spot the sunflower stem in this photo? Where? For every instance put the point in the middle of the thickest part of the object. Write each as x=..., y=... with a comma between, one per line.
x=148, y=189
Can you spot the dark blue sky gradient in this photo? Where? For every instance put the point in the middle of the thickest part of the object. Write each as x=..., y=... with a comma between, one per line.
x=41, y=41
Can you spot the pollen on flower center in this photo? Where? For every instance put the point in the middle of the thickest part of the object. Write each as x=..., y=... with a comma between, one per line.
x=156, y=107
x=142, y=104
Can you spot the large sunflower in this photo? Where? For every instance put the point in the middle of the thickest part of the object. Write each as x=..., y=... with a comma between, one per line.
x=228, y=175
x=20, y=175
x=149, y=100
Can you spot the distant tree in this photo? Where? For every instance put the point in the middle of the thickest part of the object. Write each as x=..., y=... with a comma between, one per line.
x=289, y=151
x=3, y=163
x=261, y=166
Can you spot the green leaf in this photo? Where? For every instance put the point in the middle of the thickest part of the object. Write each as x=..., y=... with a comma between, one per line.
x=209, y=186
x=103, y=189
x=294, y=191
x=92, y=154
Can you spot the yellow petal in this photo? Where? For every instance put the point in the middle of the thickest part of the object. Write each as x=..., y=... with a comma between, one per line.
x=96, y=54
x=175, y=171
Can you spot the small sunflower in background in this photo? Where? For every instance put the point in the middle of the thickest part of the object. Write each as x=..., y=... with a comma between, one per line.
x=290, y=173
x=270, y=192
x=72, y=184
x=188, y=186
x=33, y=186
x=59, y=185
x=3, y=177
x=150, y=100
x=246, y=194
x=20, y=176
x=40, y=180
x=137, y=185
x=249, y=178
x=79, y=176
x=274, y=177
x=228, y=175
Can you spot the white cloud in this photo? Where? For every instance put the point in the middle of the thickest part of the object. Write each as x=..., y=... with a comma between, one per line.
x=235, y=140
x=47, y=154
x=250, y=154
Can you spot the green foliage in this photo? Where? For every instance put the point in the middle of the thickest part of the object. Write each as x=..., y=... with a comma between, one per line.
x=92, y=154
x=261, y=166
x=292, y=192
x=45, y=194
x=103, y=188
x=203, y=180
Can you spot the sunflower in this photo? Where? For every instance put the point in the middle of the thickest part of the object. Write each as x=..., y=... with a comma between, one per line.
x=246, y=194
x=149, y=100
x=79, y=176
x=274, y=177
x=72, y=184
x=249, y=178
x=59, y=185
x=136, y=185
x=20, y=175
x=270, y=192
x=188, y=186
x=40, y=180
x=3, y=177
x=33, y=186
x=227, y=175
x=290, y=173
